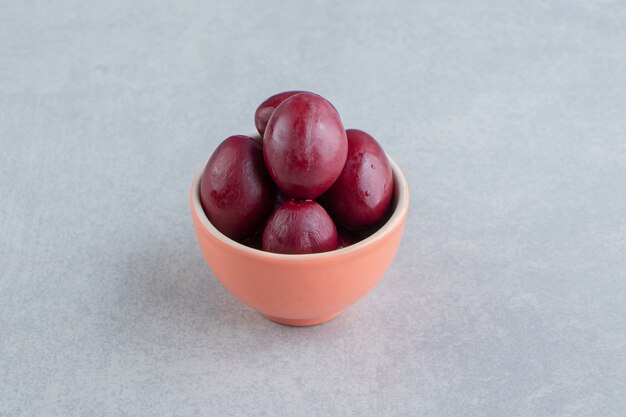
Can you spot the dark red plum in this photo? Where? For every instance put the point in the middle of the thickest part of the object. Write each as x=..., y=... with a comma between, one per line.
x=361, y=195
x=266, y=109
x=305, y=146
x=236, y=191
x=300, y=227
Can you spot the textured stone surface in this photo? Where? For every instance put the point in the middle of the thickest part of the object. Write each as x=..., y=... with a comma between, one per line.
x=508, y=297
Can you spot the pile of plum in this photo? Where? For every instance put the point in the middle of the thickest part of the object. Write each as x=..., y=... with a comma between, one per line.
x=306, y=186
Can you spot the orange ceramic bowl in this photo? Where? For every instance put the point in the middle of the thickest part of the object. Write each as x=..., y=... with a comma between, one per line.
x=302, y=290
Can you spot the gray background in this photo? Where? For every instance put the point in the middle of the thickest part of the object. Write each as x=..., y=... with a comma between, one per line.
x=507, y=298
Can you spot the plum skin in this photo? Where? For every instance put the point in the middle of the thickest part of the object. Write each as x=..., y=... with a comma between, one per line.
x=266, y=109
x=236, y=191
x=305, y=146
x=298, y=227
x=361, y=196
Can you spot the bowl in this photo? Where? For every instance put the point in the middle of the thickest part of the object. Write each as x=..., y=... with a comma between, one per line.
x=308, y=289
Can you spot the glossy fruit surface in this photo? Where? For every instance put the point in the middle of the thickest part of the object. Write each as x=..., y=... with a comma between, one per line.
x=266, y=109
x=300, y=227
x=236, y=191
x=305, y=146
x=361, y=195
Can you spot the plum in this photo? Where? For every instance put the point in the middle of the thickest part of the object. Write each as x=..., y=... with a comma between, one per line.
x=362, y=194
x=236, y=191
x=266, y=109
x=299, y=227
x=305, y=146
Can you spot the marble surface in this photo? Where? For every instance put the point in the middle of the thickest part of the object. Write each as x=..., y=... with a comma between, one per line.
x=507, y=298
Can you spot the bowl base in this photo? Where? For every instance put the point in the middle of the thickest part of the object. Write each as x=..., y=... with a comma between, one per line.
x=303, y=322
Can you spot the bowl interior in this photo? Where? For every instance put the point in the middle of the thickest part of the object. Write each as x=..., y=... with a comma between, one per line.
x=399, y=207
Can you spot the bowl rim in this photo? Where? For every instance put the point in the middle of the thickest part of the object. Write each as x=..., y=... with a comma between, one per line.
x=394, y=220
